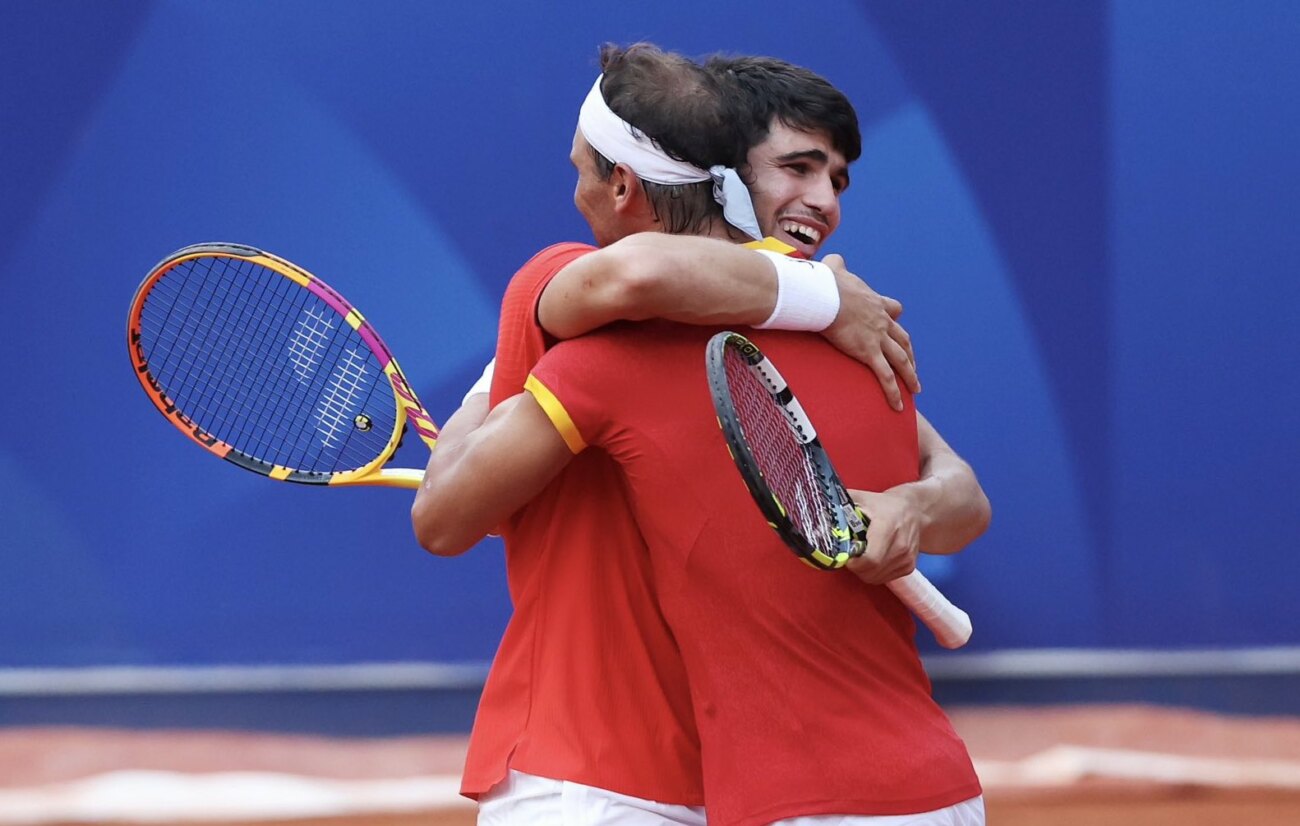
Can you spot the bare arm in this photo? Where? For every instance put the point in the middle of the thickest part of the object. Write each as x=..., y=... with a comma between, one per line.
x=480, y=477
x=464, y=421
x=941, y=512
x=682, y=278
x=697, y=280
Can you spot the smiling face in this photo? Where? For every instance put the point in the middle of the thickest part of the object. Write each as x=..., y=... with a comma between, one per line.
x=798, y=179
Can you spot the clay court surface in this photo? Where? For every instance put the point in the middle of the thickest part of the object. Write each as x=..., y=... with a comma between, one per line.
x=1096, y=765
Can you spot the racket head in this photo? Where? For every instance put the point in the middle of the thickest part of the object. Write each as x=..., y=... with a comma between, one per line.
x=262, y=364
x=779, y=456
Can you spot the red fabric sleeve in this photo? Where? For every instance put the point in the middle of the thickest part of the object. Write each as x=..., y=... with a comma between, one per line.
x=521, y=341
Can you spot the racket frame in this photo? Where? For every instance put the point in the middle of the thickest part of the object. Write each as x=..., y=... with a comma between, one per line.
x=848, y=527
x=409, y=409
x=950, y=625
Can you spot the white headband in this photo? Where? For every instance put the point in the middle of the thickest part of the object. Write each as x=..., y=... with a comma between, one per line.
x=621, y=142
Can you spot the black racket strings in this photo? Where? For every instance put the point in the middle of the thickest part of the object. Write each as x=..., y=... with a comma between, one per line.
x=784, y=461
x=234, y=339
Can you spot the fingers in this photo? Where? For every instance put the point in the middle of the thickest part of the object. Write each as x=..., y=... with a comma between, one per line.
x=892, y=539
x=904, y=339
x=867, y=329
x=886, y=558
x=892, y=306
x=901, y=362
x=884, y=371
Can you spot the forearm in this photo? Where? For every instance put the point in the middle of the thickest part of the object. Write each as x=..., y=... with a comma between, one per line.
x=464, y=421
x=427, y=518
x=475, y=480
x=951, y=504
x=654, y=275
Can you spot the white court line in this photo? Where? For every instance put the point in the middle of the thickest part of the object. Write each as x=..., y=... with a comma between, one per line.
x=1085, y=662
x=164, y=797
x=157, y=797
x=1065, y=764
x=45, y=682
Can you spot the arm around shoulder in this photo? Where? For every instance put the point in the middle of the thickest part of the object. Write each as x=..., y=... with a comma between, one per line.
x=648, y=275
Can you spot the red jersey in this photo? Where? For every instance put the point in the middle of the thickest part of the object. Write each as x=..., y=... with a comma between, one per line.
x=588, y=685
x=809, y=692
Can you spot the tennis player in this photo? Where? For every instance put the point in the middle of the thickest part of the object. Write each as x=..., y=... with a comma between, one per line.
x=571, y=736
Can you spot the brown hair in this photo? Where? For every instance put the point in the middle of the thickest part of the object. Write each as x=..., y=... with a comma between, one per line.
x=680, y=107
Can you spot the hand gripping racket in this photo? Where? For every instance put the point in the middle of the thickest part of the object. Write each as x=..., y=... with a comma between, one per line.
x=262, y=364
x=791, y=479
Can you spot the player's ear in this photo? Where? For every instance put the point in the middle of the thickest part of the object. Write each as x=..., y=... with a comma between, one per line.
x=625, y=188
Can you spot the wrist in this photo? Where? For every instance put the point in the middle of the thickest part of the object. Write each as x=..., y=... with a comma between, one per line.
x=807, y=295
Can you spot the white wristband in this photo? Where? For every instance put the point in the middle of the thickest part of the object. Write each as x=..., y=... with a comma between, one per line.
x=484, y=383
x=807, y=297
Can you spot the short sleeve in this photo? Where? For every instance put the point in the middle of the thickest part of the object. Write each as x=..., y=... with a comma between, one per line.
x=521, y=341
x=581, y=384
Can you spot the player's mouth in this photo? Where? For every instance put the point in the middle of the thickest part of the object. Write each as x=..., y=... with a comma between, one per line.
x=805, y=236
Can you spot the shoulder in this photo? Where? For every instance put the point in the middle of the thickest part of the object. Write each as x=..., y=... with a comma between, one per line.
x=531, y=279
x=528, y=282
x=551, y=260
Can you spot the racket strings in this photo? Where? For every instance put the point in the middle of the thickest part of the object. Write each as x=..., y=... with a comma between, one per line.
x=239, y=385
x=254, y=361
x=194, y=330
x=230, y=400
x=264, y=398
x=232, y=393
x=782, y=458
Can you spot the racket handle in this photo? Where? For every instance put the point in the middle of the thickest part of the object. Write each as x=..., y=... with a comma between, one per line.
x=950, y=624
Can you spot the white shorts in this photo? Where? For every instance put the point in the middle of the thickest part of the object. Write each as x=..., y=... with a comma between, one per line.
x=966, y=813
x=540, y=801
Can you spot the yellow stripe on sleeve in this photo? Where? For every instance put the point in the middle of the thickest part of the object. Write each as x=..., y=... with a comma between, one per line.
x=556, y=413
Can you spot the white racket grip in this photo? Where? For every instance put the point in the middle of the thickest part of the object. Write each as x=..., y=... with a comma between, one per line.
x=950, y=624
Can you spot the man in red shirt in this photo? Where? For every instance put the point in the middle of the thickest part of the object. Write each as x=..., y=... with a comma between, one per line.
x=809, y=694
x=588, y=686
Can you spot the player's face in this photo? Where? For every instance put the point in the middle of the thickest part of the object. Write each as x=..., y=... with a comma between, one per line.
x=591, y=195
x=798, y=179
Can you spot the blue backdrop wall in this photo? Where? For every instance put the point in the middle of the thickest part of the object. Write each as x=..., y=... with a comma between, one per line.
x=1088, y=209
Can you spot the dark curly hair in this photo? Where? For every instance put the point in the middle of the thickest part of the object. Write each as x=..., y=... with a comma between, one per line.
x=761, y=90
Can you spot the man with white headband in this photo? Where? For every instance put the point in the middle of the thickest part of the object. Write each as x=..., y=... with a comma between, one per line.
x=586, y=709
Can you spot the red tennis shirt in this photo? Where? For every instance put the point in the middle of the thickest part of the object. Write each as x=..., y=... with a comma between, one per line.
x=810, y=696
x=588, y=684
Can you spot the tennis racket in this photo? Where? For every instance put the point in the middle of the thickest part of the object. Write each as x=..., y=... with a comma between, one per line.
x=776, y=449
x=262, y=364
